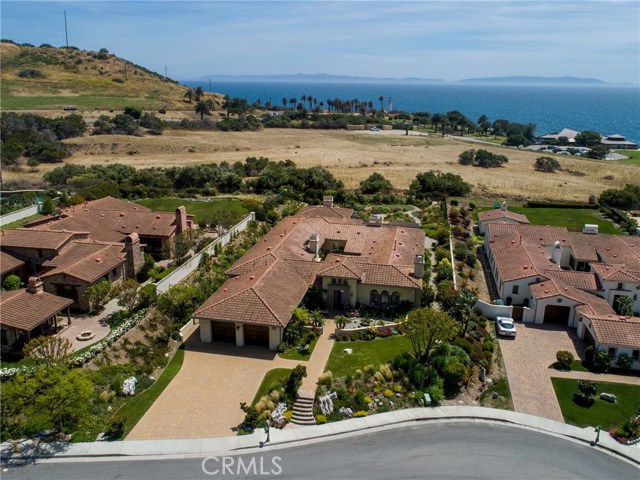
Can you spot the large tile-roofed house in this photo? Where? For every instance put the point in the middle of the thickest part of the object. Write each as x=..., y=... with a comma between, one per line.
x=10, y=265
x=363, y=263
x=575, y=279
x=618, y=141
x=569, y=134
x=28, y=312
x=111, y=220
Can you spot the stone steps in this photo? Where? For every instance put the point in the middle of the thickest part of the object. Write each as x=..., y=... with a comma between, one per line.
x=303, y=412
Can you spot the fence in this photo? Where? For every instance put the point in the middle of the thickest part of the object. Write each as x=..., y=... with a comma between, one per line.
x=490, y=310
x=19, y=215
x=190, y=265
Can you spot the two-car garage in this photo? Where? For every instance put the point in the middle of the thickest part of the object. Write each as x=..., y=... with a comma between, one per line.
x=238, y=333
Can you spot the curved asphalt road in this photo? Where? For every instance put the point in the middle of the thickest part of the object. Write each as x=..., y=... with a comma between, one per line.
x=442, y=451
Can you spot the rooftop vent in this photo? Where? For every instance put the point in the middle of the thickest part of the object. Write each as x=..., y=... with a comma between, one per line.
x=122, y=214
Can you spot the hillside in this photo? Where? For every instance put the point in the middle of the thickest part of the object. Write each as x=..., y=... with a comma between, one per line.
x=44, y=78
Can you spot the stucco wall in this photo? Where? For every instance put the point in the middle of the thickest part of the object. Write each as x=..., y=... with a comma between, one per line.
x=408, y=294
x=205, y=331
x=541, y=305
x=524, y=292
x=275, y=337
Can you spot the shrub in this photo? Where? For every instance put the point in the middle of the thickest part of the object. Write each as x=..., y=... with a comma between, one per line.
x=564, y=359
x=320, y=419
x=326, y=378
x=601, y=360
x=287, y=415
x=624, y=361
x=386, y=372
x=488, y=346
x=369, y=370
x=436, y=393
x=360, y=413
x=115, y=426
x=387, y=393
x=12, y=282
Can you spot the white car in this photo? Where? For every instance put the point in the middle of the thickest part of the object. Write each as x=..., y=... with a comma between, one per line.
x=375, y=129
x=505, y=326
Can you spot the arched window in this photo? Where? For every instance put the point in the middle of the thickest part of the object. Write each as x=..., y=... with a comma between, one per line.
x=384, y=298
x=373, y=297
x=395, y=299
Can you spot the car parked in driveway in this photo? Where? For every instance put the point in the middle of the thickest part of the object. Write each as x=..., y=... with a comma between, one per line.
x=505, y=326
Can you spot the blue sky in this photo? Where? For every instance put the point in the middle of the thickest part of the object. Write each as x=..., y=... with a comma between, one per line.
x=429, y=39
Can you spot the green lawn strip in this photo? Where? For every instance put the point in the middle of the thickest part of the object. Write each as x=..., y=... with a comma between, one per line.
x=197, y=208
x=603, y=413
x=164, y=273
x=634, y=156
x=294, y=354
x=20, y=223
x=576, y=366
x=572, y=218
x=135, y=408
x=373, y=352
x=271, y=377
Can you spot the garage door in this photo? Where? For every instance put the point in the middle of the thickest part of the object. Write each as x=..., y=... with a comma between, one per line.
x=556, y=314
x=256, y=335
x=223, y=332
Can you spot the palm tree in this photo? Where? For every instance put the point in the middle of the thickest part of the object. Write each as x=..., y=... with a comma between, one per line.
x=189, y=94
x=381, y=99
x=293, y=102
x=284, y=102
x=436, y=119
x=198, y=94
x=315, y=102
x=204, y=107
x=321, y=105
x=303, y=99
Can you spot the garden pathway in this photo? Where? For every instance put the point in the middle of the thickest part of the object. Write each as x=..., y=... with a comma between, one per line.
x=318, y=360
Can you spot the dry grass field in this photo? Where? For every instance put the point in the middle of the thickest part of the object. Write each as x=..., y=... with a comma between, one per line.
x=352, y=156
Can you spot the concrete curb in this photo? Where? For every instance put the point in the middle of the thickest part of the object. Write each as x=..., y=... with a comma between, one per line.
x=290, y=437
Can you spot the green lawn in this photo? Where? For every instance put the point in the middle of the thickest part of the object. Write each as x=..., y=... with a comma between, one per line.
x=576, y=366
x=294, y=354
x=634, y=156
x=271, y=377
x=81, y=102
x=135, y=408
x=194, y=207
x=572, y=218
x=373, y=352
x=601, y=413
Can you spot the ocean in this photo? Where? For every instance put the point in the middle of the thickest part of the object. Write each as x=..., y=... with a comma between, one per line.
x=605, y=109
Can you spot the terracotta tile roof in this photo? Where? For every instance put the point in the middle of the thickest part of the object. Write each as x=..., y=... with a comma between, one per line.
x=581, y=280
x=552, y=288
x=618, y=331
x=41, y=238
x=86, y=260
x=9, y=263
x=25, y=311
x=273, y=276
x=257, y=298
x=498, y=213
x=616, y=273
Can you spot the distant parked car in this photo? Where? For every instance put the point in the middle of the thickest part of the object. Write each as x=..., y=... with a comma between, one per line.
x=505, y=326
x=70, y=109
x=375, y=129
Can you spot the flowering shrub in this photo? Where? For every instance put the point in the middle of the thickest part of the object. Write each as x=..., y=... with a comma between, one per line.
x=388, y=393
x=76, y=361
x=360, y=413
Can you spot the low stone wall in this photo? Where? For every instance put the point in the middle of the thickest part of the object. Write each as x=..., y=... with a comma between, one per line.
x=348, y=331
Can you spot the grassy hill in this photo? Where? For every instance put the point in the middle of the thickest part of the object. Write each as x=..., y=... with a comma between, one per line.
x=49, y=78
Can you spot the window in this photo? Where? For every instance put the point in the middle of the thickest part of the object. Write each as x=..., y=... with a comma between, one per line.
x=612, y=352
x=114, y=272
x=384, y=298
x=515, y=289
x=395, y=299
x=373, y=297
x=619, y=287
x=635, y=355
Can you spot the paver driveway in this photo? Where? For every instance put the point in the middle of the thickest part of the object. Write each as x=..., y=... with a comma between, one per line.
x=203, y=400
x=527, y=359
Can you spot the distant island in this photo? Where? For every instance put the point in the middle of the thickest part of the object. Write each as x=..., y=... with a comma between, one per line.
x=327, y=78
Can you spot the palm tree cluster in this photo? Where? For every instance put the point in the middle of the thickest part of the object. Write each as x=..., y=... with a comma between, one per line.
x=334, y=105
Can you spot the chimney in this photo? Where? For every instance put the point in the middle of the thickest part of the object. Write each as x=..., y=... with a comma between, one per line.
x=314, y=245
x=327, y=201
x=135, y=256
x=556, y=253
x=181, y=219
x=35, y=285
x=418, y=265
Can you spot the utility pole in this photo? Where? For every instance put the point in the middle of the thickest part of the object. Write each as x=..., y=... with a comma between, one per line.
x=66, y=33
x=209, y=85
x=125, y=70
x=165, y=72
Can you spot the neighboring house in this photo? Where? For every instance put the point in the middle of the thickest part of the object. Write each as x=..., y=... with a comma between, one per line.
x=82, y=264
x=618, y=142
x=573, y=279
x=569, y=134
x=351, y=260
x=111, y=220
x=499, y=215
x=27, y=313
